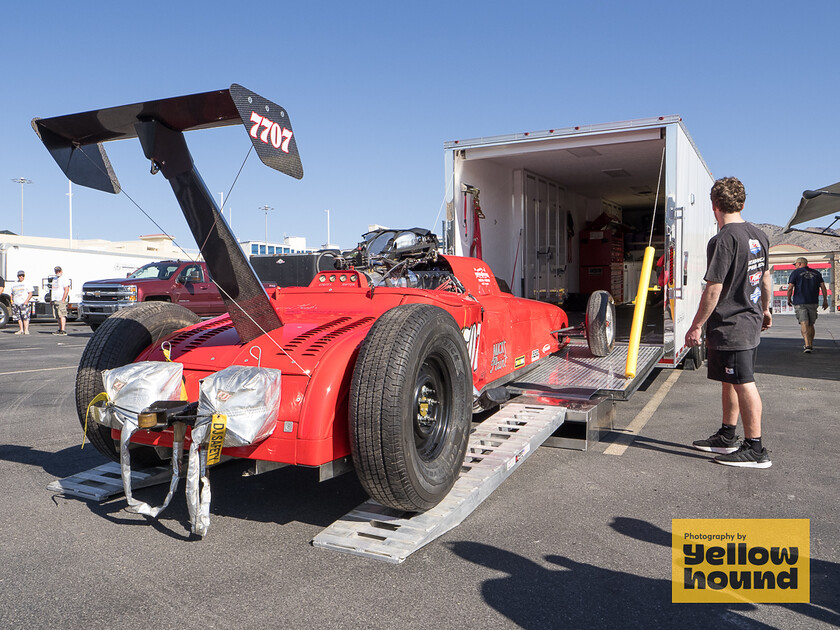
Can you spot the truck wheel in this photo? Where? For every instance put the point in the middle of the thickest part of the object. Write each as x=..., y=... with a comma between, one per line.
x=94, y=325
x=5, y=315
x=694, y=358
x=410, y=407
x=600, y=323
x=118, y=341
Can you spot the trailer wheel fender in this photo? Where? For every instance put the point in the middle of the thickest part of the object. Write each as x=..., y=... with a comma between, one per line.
x=410, y=407
x=119, y=340
x=600, y=323
x=5, y=315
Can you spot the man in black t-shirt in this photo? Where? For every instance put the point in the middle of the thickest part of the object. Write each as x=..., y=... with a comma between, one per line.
x=735, y=307
x=804, y=286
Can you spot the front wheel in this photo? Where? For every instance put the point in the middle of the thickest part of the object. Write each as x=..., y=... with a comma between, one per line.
x=410, y=407
x=600, y=323
x=5, y=315
x=119, y=341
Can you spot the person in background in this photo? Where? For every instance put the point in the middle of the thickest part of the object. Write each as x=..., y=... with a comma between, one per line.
x=735, y=306
x=804, y=286
x=21, y=295
x=60, y=292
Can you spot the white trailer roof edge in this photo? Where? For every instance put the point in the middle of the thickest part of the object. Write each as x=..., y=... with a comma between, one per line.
x=531, y=136
x=580, y=130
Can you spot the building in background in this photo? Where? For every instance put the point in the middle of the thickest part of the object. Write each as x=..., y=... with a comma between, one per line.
x=290, y=245
x=782, y=259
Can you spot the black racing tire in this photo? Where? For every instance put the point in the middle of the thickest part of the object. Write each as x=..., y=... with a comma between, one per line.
x=118, y=341
x=600, y=323
x=411, y=407
x=5, y=315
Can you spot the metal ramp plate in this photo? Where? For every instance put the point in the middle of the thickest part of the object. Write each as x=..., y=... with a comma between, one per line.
x=497, y=447
x=574, y=372
x=105, y=481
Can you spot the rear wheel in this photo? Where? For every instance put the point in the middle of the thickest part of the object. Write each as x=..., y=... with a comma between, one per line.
x=5, y=315
x=119, y=341
x=410, y=407
x=600, y=323
x=694, y=357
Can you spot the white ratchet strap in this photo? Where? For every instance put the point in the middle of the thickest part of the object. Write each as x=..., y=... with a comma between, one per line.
x=141, y=507
x=198, y=498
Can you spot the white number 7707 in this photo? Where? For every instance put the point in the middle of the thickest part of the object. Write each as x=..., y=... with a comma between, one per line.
x=278, y=136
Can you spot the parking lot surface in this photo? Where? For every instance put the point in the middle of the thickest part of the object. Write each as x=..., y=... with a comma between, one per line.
x=572, y=539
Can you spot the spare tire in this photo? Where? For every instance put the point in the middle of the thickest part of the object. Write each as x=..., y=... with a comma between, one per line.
x=119, y=341
x=600, y=323
x=411, y=407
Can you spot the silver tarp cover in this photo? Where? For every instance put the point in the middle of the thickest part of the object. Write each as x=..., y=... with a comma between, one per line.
x=131, y=388
x=248, y=396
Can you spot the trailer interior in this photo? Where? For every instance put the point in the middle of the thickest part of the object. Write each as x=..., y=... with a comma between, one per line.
x=571, y=211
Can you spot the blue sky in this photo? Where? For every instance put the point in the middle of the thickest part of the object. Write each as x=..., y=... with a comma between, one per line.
x=374, y=89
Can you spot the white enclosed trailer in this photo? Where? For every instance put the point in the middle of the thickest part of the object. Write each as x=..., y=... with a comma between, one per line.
x=79, y=265
x=540, y=190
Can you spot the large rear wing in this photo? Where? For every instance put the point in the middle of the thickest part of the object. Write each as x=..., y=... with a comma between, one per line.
x=75, y=140
x=76, y=143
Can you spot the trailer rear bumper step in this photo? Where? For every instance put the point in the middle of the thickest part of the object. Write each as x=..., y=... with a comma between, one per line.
x=104, y=481
x=574, y=372
x=497, y=447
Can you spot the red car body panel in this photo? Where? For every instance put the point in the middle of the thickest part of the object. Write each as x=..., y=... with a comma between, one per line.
x=316, y=350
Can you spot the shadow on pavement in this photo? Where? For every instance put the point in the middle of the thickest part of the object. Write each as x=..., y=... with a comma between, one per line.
x=825, y=576
x=579, y=595
x=784, y=357
x=280, y=496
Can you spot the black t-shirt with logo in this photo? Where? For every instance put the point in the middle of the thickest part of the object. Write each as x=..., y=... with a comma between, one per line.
x=806, y=285
x=737, y=258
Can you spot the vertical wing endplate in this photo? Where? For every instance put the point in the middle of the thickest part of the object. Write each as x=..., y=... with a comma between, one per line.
x=270, y=130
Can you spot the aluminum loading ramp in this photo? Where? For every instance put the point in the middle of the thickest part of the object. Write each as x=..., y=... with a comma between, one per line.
x=104, y=481
x=497, y=447
x=573, y=372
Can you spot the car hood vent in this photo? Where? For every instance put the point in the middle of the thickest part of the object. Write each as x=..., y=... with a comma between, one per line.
x=323, y=341
x=301, y=339
x=196, y=336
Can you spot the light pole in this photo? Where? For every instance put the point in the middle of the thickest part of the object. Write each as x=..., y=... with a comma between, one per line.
x=21, y=181
x=70, y=197
x=328, y=228
x=222, y=210
x=265, y=209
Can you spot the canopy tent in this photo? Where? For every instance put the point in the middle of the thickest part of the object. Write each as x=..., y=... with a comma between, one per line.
x=813, y=206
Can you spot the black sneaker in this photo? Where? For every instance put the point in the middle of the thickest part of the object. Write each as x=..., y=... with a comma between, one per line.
x=746, y=457
x=808, y=349
x=717, y=443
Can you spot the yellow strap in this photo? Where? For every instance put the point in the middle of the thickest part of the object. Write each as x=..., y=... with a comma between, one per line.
x=167, y=354
x=218, y=427
x=102, y=396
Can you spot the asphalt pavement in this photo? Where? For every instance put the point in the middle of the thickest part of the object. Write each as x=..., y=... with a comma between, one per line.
x=572, y=539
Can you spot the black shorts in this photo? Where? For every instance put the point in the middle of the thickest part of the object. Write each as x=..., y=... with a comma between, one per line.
x=732, y=366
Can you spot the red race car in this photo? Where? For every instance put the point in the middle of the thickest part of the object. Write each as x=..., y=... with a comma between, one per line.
x=379, y=362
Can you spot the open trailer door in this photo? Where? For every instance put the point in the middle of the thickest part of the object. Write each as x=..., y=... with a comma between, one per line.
x=571, y=211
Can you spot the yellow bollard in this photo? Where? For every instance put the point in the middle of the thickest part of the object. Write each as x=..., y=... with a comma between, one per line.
x=639, y=315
